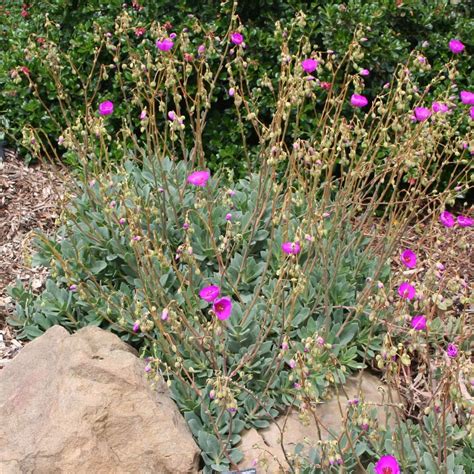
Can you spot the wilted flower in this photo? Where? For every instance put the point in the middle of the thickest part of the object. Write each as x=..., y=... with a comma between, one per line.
x=439, y=107
x=364, y=72
x=465, y=221
x=387, y=465
x=456, y=46
x=291, y=248
x=326, y=85
x=223, y=308
x=210, y=293
x=106, y=108
x=406, y=291
x=309, y=65
x=408, y=258
x=236, y=37
x=140, y=31
x=418, y=322
x=165, y=44
x=358, y=100
x=199, y=178
x=447, y=219
x=467, y=97
x=136, y=326
x=422, y=113
x=452, y=351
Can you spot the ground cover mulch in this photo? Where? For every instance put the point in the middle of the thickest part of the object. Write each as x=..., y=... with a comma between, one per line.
x=30, y=199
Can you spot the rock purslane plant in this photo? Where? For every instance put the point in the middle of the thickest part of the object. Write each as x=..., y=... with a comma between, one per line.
x=251, y=295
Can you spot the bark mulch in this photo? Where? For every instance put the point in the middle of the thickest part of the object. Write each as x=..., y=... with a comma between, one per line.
x=30, y=198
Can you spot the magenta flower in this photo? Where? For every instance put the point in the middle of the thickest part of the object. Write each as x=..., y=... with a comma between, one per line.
x=418, y=322
x=223, y=308
x=447, y=219
x=291, y=248
x=452, y=351
x=422, y=113
x=73, y=288
x=228, y=216
x=408, y=258
x=199, y=178
x=358, y=100
x=471, y=112
x=171, y=115
x=236, y=37
x=106, y=108
x=210, y=293
x=467, y=97
x=364, y=72
x=456, y=46
x=387, y=465
x=406, y=291
x=465, y=221
x=439, y=107
x=136, y=326
x=165, y=44
x=309, y=65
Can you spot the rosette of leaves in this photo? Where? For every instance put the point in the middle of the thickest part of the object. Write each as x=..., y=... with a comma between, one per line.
x=142, y=240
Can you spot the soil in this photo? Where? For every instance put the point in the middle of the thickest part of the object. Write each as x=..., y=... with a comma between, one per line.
x=30, y=200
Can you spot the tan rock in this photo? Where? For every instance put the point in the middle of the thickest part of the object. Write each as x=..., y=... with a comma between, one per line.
x=264, y=447
x=81, y=404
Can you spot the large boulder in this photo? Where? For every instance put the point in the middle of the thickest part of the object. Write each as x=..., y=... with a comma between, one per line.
x=81, y=403
x=262, y=449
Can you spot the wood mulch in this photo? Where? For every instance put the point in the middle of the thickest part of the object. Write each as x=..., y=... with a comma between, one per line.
x=30, y=199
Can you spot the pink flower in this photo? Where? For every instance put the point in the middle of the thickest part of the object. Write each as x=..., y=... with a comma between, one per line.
x=143, y=115
x=122, y=221
x=201, y=49
x=465, y=221
x=136, y=326
x=408, y=258
x=456, y=46
x=139, y=32
x=165, y=314
x=210, y=293
x=452, y=351
x=291, y=248
x=467, y=97
x=387, y=465
x=406, y=291
x=364, y=72
x=447, y=219
x=171, y=115
x=231, y=92
x=199, y=178
x=439, y=107
x=223, y=308
x=73, y=288
x=292, y=363
x=228, y=217
x=471, y=112
x=236, y=37
x=309, y=65
x=106, y=108
x=165, y=44
x=418, y=322
x=422, y=113
x=326, y=85
x=358, y=100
